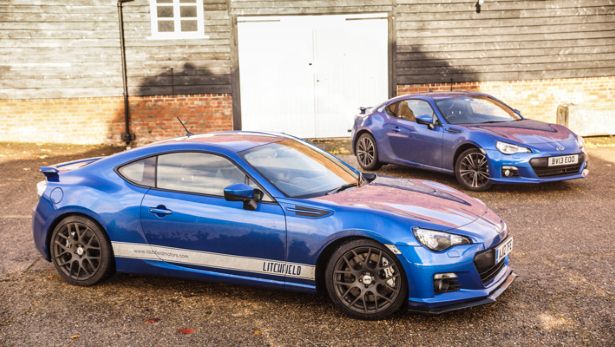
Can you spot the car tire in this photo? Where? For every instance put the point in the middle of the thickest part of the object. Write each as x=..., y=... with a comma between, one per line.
x=366, y=151
x=365, y=280
x=81, y=252
x=472, y=170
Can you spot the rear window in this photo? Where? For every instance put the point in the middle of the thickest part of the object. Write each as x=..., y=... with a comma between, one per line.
x=141, y=172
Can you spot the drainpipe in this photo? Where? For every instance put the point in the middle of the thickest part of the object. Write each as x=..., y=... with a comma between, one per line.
x=126, y=136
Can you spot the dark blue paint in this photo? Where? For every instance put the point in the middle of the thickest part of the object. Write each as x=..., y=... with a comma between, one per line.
x=434, y=147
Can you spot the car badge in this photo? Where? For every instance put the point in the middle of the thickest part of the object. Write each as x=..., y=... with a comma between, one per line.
x=560, y=147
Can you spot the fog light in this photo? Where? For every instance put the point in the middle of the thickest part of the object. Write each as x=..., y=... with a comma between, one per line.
x=510, y=171
x=585, y=172
x=445, y=282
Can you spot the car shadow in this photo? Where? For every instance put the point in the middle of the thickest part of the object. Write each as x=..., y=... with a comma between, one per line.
x=400, y=171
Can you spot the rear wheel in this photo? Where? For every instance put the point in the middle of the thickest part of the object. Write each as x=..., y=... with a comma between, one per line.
x=80, y=251
x=366, y=152
x=472, y=170
x=365, y=280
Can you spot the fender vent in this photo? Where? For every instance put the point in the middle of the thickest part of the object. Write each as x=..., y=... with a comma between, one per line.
x=305, y=211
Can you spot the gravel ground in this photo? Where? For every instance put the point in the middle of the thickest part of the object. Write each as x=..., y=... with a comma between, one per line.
x=563, y=251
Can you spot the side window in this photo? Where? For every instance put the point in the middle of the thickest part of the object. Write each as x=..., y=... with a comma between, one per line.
x=202, y=173
x=391, y=110
x=404, y=111
x=141, y=172
x=420, y=108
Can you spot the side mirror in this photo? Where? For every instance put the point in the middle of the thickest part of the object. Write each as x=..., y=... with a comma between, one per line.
x=425, y=119
x=368, y=176
x=362, y=109
x=243, y=192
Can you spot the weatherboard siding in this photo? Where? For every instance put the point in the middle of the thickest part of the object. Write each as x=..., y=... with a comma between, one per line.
x=53, y=49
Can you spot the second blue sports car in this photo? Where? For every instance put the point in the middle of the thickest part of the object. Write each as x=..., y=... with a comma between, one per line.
x=472, y=135
x=272, y=210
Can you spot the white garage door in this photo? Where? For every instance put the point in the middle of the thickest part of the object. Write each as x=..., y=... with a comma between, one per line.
x=307, y=75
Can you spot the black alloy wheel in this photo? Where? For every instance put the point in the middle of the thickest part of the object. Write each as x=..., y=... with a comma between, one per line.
x=472, y=170
x=365, y=280
x=366, y=152
x=80, y=251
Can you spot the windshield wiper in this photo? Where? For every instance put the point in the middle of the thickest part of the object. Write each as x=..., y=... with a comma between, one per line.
x=342, y=187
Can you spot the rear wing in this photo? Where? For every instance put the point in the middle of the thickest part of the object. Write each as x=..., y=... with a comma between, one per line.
x=52, y=172
x=365, y=109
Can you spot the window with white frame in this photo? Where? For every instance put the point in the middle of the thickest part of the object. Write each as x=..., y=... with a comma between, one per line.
x=177, y=19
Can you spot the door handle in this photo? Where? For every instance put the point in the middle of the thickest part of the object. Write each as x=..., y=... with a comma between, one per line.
x=160, y=211
x=397, y=129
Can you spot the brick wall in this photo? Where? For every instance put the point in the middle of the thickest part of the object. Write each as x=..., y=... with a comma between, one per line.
x=538, y=99
x=101, y=119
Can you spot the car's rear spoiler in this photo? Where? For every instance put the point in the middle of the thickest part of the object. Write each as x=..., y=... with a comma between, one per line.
x=52, y=172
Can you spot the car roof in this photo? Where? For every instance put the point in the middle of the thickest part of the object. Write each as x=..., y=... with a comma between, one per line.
x=235, y=141
x=435, y=95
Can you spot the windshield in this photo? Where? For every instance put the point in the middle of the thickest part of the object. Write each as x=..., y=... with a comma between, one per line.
x=298, y=170
x=475, y=109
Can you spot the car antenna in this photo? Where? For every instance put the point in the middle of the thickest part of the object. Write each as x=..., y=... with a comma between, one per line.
x=188, y=132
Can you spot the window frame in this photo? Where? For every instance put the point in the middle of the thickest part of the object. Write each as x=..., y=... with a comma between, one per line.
x=398, y=102
x=326, y=154
x=176, y=19
x=266, y=195
x=434, y=115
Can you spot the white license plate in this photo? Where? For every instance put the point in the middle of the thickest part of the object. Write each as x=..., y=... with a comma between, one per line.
x=564, y=160
x=503, y=250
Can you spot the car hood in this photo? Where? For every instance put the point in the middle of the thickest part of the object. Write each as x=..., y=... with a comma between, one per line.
x=420, y=200
x=527, y=131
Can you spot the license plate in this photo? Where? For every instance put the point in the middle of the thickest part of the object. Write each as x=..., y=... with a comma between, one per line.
x=564, y=160
x=503, y=250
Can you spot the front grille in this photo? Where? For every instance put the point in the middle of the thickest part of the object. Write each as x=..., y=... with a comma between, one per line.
x=453, y=285
x=541, y=168
x=484, y=262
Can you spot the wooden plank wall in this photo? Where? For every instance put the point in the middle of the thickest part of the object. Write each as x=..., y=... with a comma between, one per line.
x=198, y=66
x=55, y=48
x=50, y=49
x=440, y=40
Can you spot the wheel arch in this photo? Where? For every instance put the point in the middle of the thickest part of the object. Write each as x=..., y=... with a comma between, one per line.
x=65, y=215
x=325, y=255
x=460, y=149
x=357, y=135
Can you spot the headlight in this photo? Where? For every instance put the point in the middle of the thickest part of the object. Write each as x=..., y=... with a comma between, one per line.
x=508, y=148
x=438, y=240
x=40, y=188
x=580, y=142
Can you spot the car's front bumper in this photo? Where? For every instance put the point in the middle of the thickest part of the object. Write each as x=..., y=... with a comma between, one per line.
x=421, y=265
x=526, y=172
x=443, y=308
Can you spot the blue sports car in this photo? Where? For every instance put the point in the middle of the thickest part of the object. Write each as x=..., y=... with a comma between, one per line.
x=472, y=135
x=269, y=209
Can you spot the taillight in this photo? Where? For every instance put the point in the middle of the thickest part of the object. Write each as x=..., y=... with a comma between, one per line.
x=41, y=187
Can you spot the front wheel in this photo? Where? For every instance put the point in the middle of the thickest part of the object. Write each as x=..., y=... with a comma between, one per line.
x=472, y=170
x=80, y=251
x=365, y=280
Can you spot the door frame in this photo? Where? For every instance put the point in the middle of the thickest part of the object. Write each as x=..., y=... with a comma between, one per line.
x=235, y=70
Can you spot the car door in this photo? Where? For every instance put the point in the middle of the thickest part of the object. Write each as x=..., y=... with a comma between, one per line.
x=187, y=220
x=410, y=141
